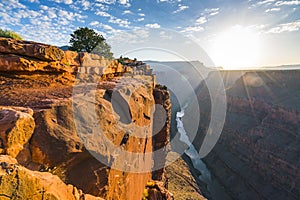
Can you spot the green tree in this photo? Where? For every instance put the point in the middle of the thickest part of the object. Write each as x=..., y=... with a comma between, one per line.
x=10, y=34
x=87, y=40
x=103, y=49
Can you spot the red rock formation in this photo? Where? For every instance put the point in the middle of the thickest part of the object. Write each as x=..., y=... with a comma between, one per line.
x=43, y=78
x=17, y=182
x=16, y=128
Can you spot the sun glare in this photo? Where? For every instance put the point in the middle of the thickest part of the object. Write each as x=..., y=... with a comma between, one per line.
x=236, y=48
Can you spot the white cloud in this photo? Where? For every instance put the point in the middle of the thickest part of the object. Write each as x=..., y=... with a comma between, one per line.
x=106, y=1
x=102, y=6
x=201, y=20
x=136, y=36
x=121, y=22
x=63, y=1
x=7, y=19
x=168, y=1
x=85, y=4
x=43, y=7
x=265, y=2
x=126, y=12
x=155, y=25
x=9, y=4
x=180, y=8
x=211, y=11
x=140, y=19
x=51, y=13
x=103, y=14
x=101, y=25
x=34, y=1
x=272, y=10
x=125, y=3
x=192, y=29
x=287, y=27
x=141, y=14
x=287, y=3
x=22, y=13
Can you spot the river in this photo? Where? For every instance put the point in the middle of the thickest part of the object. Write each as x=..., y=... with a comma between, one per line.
x=216, y=191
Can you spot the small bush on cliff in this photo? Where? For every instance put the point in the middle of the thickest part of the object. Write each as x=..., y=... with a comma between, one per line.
x=87, y=40
x=10, y=34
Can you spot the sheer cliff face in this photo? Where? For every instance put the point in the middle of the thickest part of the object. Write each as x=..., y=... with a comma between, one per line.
x=44, y=78
x=257, y=155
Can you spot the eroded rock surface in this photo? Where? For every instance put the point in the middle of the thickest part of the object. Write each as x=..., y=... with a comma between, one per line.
x=55, y=85
x=16, y=127
x=17, y=182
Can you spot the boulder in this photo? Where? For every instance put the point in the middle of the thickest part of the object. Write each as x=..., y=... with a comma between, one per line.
x=35, y=50
x=16, y=128
x=17, y=182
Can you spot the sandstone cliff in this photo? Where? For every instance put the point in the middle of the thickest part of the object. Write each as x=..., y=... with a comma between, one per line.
x=41, y=87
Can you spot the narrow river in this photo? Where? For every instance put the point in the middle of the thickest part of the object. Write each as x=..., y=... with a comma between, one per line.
x=217, y=192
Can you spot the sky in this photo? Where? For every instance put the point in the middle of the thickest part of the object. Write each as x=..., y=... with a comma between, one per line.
x=228, y=33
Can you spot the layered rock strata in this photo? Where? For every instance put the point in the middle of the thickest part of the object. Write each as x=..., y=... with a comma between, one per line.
x=44, y=137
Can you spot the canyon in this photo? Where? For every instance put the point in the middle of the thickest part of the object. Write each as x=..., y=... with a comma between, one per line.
x=257, y=154
x=79, y=126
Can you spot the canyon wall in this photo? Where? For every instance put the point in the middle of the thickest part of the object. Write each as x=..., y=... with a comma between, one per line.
x=257, y=155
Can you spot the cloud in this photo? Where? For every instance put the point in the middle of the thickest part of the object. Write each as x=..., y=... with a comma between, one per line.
x=10, y=4
x=125, y=3
x=201, y=20
x=287, y=27
x=141, y=14
x=51, y=13
x=101, y=6
x=191, y=29
x=211, y=11
x=272, y=10
x=135, y=36
x=287, y=3
x=7, y=19
x=43, y=7
x=102, y=14
x=180, y=8
x=85, y=4
x=140, y=19
x=34, y=1
x=120, y=22
x=63, y=1
x=155, y=25
x=101, y=25
x=106, y=1
x=168, y=1
x=265, y=2
x=127, y=12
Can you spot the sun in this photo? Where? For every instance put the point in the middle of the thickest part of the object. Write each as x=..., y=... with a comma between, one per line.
x=236, y=48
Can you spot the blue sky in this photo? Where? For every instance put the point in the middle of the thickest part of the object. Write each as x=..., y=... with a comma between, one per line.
x=259, y=32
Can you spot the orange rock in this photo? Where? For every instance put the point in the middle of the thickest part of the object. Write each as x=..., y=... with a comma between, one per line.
x=17, y=182
x=34, y=50
x=12, y=62
x=16, y=128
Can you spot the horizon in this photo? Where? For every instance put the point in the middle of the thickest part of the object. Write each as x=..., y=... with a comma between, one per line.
x=232, y=34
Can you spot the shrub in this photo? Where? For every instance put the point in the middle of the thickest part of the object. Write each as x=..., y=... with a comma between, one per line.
x=10, y=34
